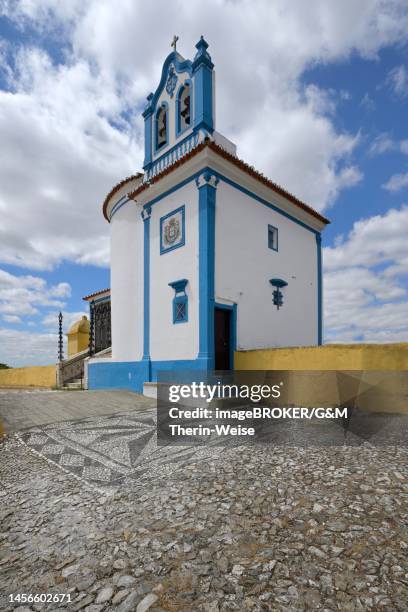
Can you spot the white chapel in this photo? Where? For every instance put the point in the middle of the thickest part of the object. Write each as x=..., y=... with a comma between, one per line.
x=208, y=256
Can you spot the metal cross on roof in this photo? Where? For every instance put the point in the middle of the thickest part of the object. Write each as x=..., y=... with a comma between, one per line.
x=174, y=43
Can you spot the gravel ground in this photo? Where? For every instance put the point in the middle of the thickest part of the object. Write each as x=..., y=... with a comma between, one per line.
x=257, y=529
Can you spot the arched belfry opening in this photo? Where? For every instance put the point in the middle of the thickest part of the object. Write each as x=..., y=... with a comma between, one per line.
x=184, y=107
x=161, y=127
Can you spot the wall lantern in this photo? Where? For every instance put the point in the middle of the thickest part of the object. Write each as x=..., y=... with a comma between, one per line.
x=277, y=294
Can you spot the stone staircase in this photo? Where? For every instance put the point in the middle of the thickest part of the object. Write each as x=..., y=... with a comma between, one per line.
x=73, y=385
x=71, y=373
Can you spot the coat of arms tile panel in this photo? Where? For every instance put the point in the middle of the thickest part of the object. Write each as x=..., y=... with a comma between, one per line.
x=172, y=230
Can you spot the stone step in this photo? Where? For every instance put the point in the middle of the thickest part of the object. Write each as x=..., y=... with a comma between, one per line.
x=150, y=389
x=74, y=384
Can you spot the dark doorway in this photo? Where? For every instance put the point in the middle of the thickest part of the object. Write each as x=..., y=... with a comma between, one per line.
x=222, y=330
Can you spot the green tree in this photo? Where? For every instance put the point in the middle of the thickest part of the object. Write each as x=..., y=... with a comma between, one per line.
x=4, y=366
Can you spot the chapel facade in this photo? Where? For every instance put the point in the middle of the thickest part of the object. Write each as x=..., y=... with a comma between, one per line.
x=208, y=256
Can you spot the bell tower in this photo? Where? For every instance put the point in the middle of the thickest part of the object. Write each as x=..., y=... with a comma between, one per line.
x=180, y=112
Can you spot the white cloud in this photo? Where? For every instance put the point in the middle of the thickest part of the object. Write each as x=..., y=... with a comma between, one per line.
x=72, y=130
x=381, y=144
x=23, y=348
x=50, y=321
x=63, y=157
x=12, y=319
x=397, y=79
x=396, y=182
x=384, y=143
x=364, y=291
x=367, y=103
x=22, y=295
x=372, y=241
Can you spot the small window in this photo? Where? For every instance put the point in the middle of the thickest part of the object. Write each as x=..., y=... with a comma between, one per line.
x=180, y=301
x=180, y=309
x=273, y=237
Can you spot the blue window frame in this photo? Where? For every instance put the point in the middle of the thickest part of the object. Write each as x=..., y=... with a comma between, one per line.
x=273, y=237
x=172, y=230
x=180, y=301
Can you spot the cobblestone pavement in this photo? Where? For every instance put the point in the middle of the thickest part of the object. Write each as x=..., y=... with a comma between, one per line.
x=111, y=451
x=203, y=529
x=29, y=408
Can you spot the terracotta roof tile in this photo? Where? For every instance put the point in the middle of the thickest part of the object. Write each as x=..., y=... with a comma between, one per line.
x=116, y=188
x=91, y=295
x=237, y=162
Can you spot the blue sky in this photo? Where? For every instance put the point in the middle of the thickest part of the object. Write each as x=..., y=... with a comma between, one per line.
x=325, y=86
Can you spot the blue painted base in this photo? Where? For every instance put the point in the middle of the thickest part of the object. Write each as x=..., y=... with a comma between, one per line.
x=118, y=375
x=132, y=374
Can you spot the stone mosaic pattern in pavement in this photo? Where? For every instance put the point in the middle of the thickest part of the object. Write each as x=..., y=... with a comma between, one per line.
x=112, y=450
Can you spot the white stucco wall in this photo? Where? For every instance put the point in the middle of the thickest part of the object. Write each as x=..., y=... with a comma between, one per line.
x=127, y=283
x=169, y=341
x=244, y=265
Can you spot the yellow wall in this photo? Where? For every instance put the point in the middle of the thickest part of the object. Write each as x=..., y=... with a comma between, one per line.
x=77, y=343
x=35, y=376
x=381, y=384
x=327, y=357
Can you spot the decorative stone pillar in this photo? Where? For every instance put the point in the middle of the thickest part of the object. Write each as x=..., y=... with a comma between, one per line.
x=207, y=186
x=146, y=214
x=203, y=88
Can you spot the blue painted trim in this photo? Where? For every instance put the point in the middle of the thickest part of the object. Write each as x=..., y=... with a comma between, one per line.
x=202, y=57
x=163, y=106
x=233, y=308
x=182, y=242
x=104, y=299
x=319, y=290
x=180, y=66
x=179, y=286
x=203, y=99
x=262, y=201
x=206, y=262
x=146, y=288
x=180, y=365
x=203, y=87
x=118, y=375
x=173, y=189
x=147, y=115
x=180, y=297
x=118, y=206
x=180, y=148
x=272, y=227
x=237, y=186
x=132, y=374
x=180, y=131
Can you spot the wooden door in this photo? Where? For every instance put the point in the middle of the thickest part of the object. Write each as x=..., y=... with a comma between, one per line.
x=222, y=329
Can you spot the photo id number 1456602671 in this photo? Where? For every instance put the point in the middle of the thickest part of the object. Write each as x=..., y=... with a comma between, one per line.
x=40, y=598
